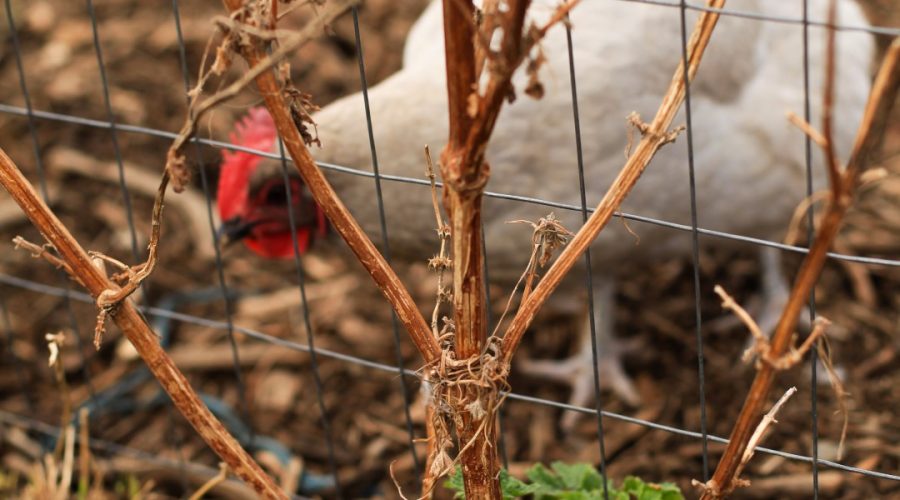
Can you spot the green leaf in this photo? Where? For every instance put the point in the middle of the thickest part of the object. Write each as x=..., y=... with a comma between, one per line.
x=575, y=476
x=632, y=485
x=637, y=488
x=512, y=487
x=574, y=495
x=670, y=491
x=570, y=482
x=542, y=476
x=454, y=483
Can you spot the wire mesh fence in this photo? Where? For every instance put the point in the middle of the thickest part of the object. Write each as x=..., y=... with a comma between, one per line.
x=226, y=294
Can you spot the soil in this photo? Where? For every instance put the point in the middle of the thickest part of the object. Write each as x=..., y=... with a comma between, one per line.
x=364, y=406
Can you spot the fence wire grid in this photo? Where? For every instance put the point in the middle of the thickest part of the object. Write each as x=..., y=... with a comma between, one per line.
x=35, y=117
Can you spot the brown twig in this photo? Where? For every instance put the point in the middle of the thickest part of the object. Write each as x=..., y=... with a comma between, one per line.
x=68, y=463
x=42, y=252
x=868, y=137
x=133, y=325
x=433, y=453
x=760, y=431
x=212, y=483
x=325, y=196
x=763, y=427
x=463, y=180
x=840, y=392
x=762, y=347
x=548, y=235
x=655, y=135
x=286, y=47
x=108, y=300
x=55, y=342
x=442, y=261
x=831, y=160
x=436, y=457
x=807, y=129
x=473, y=112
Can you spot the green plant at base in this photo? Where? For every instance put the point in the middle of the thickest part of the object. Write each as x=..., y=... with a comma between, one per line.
x=571, y=482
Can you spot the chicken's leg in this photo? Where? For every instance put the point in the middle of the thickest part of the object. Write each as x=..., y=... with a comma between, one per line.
x=577, y=371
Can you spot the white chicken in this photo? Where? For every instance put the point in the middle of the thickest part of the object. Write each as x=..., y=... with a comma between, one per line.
x=750, y=162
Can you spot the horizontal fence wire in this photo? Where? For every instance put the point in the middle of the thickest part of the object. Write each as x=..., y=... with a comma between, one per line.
x=38, y=287
x=875, y=30
x=89, y=122
x=116, y=127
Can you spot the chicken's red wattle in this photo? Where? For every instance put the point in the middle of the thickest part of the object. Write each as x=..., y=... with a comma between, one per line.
x=249, y=217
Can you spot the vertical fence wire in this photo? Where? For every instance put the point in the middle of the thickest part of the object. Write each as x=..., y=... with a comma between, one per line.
x=7, y=324
x=113, y=135
x=223, y=286
x=42, y=182
x=589, y=279
x=172, y=438
x=310, y=335
x=810, y=235
x=695, y=241
x=217, y=252
x=386, y=247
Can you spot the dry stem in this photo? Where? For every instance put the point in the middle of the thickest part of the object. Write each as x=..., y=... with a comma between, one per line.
x=868, y=137
x=840, y=393
x=442, y=261
x=437, y=457
x=805, y=127
x=763, y=426
x=548, y=235
x=473, y=112
x=326, y=198
x=464, y=393
x=755, y=439
x=287, y=46
x=212, y=483
x=55, y=344
x=177, y=173
x=762, y=347
x=655, y=135
x=133, y=325
x=68, y=463
x=434, y=453
x=831, y=161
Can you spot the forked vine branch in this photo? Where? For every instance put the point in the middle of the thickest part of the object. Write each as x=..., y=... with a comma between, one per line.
x=81, y=268
x=844, y=183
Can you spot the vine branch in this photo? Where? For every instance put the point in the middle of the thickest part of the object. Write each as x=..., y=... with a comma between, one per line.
x=322, y=192
x=78, y=263
x=655, y=135
x=868, y=138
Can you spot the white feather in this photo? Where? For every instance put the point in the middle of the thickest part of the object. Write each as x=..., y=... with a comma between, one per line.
x=749, y=161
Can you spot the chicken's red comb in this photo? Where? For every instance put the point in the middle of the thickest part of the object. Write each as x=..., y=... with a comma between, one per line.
x=257, y=131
